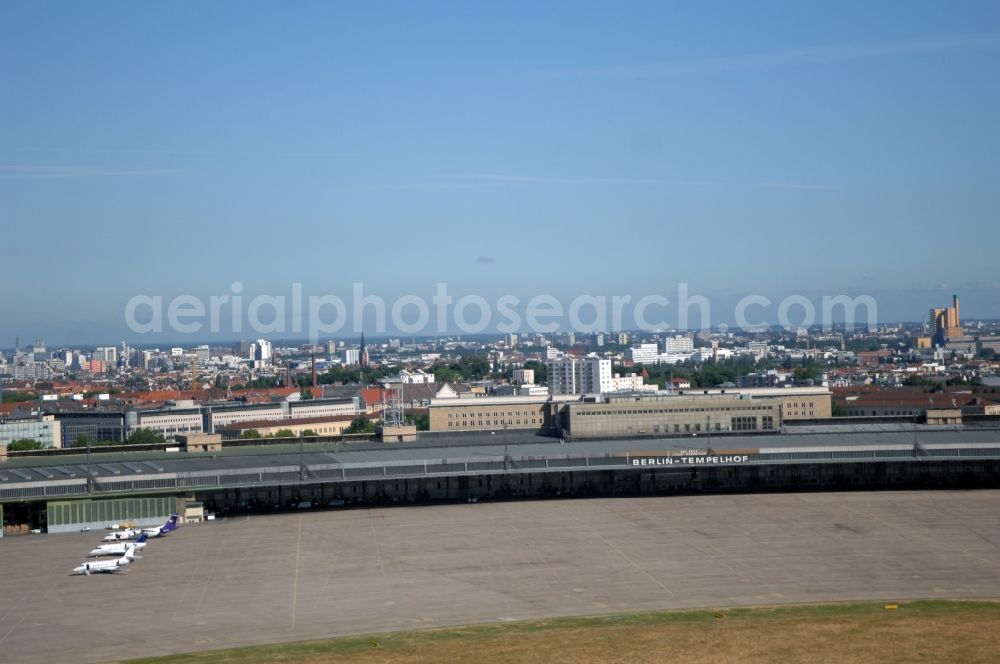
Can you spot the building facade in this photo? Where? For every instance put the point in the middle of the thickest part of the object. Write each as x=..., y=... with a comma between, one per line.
x=44, y=429
x=586, y=375
x=652, y=415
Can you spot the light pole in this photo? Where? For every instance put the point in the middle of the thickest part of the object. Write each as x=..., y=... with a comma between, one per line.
x=302, y=461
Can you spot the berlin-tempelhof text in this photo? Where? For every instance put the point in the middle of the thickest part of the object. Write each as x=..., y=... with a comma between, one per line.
x=322, y=315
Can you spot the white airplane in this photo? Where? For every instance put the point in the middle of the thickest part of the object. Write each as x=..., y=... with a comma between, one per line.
x=160, y=531
x=121, y=535
x=109, y=566
x=120, y=548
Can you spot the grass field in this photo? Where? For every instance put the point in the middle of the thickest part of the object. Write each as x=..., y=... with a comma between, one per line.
x=919, y=631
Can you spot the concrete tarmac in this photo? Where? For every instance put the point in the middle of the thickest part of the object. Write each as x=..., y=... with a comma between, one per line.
x=318, y=574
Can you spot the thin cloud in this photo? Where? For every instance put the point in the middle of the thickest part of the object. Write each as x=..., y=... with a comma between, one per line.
x=790, y=57
x=794, y=185
x=493, y=179
x=500, y=178
x=485, y=259
x=32, y=171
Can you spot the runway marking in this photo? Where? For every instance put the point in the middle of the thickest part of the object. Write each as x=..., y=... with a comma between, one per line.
x=295, y=580
x=625, y=556
x=25, y=616
x=378, y=553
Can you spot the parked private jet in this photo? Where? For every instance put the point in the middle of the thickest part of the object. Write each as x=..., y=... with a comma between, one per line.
x=109, y=566
x=160, y=531
x=120, y=548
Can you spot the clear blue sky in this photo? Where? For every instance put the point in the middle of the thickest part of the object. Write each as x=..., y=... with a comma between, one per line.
x=745, y=147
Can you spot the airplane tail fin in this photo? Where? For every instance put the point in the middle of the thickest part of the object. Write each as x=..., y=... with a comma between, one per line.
x=142, y=538
x=171, y=523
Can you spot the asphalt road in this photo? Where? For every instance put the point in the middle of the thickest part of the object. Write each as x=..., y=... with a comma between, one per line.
x=317, y=574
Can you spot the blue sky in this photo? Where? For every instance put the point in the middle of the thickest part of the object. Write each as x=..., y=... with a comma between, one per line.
x=528, y=148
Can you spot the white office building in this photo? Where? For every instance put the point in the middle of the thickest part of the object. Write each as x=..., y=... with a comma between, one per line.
x=678, y=344
x=647, y=353
x=261, y=350
x=571, y=375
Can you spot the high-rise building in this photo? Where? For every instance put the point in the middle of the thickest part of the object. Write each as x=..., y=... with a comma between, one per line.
x=679, y=343
x=106, y=354
x=261, y=350
x=945, y=323
x=203, y=354
x=571, y=375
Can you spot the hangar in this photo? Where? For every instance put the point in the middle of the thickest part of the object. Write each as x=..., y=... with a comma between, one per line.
x=67, y=493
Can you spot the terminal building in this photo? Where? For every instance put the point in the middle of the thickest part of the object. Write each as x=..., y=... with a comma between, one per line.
x=618, y=416
x=635, y=413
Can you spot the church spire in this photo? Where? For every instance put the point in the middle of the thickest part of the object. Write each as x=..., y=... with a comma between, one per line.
x=363, y=352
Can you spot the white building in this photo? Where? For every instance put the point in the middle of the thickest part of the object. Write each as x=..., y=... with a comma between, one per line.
x=678, y=344
x=350, y=356
x=262, y=350
x=647, y=353
x=571, y=375
x=631, y=383
x=417, y=377
x=203, y=354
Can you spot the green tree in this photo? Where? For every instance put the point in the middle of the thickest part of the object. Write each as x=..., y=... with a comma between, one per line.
x=284, y=433
x=13, y=396
x=419, y=420
x=444, y=373
x=361, y=425
x=309, y=432
x=24, y=444
x=262, y=383
x=250, y=433
x=146, y=437
x=541, y=371
x=306, y=393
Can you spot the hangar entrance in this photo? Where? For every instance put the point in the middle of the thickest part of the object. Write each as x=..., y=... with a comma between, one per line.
x=22, y=518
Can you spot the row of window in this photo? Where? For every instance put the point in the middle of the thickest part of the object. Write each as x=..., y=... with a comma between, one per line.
x=658, y=411
x=488, y=423
x=520, y=413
